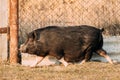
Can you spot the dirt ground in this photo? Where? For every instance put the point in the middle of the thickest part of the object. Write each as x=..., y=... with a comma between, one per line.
x=87, y=71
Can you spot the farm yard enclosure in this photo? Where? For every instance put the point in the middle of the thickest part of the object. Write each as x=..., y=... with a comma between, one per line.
x=99, y=13
x=41, y=13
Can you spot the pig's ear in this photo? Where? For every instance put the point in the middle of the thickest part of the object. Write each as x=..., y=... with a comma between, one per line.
x=27, y=35
x=35, y=35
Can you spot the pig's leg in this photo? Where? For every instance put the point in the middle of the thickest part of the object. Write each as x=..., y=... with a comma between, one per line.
x=103, y=53
x=87, y=58
x=38, y=60
x=63, y=62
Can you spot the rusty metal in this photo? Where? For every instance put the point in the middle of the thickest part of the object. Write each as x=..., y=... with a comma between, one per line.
x=13, y=23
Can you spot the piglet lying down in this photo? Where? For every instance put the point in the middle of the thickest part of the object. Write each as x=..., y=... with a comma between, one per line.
x=72, y=44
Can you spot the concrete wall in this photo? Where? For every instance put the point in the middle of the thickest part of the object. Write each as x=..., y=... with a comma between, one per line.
x=3, y=13
x=3, y=23
x=3, y=47
x=112, y=47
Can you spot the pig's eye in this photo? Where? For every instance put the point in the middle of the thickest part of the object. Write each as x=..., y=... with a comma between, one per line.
x=30, y=44
x=31, y=40
x=26, y=49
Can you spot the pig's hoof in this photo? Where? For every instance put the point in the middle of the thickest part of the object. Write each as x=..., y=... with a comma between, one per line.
x=32, y=66
x=115, y=61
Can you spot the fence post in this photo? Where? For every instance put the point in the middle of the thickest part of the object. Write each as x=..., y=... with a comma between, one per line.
x=13, y=23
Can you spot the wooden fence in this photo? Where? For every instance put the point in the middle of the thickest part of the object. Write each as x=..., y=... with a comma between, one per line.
x=9, y=19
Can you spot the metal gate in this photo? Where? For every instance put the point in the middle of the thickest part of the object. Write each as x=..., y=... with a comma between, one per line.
x=3, y=30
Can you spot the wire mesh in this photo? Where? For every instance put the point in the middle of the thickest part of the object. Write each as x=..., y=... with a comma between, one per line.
x=35, y=14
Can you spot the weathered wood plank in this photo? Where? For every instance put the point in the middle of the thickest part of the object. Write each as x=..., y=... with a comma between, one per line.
x=3, y=30
x=13, y=23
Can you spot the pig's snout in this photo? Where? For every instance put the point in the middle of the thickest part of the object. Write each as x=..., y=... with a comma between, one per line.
x=23, y=48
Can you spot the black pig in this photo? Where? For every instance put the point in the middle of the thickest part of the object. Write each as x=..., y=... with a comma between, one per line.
x=67, y=44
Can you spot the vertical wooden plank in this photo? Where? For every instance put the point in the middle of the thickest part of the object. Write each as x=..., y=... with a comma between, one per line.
x=13, y=22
